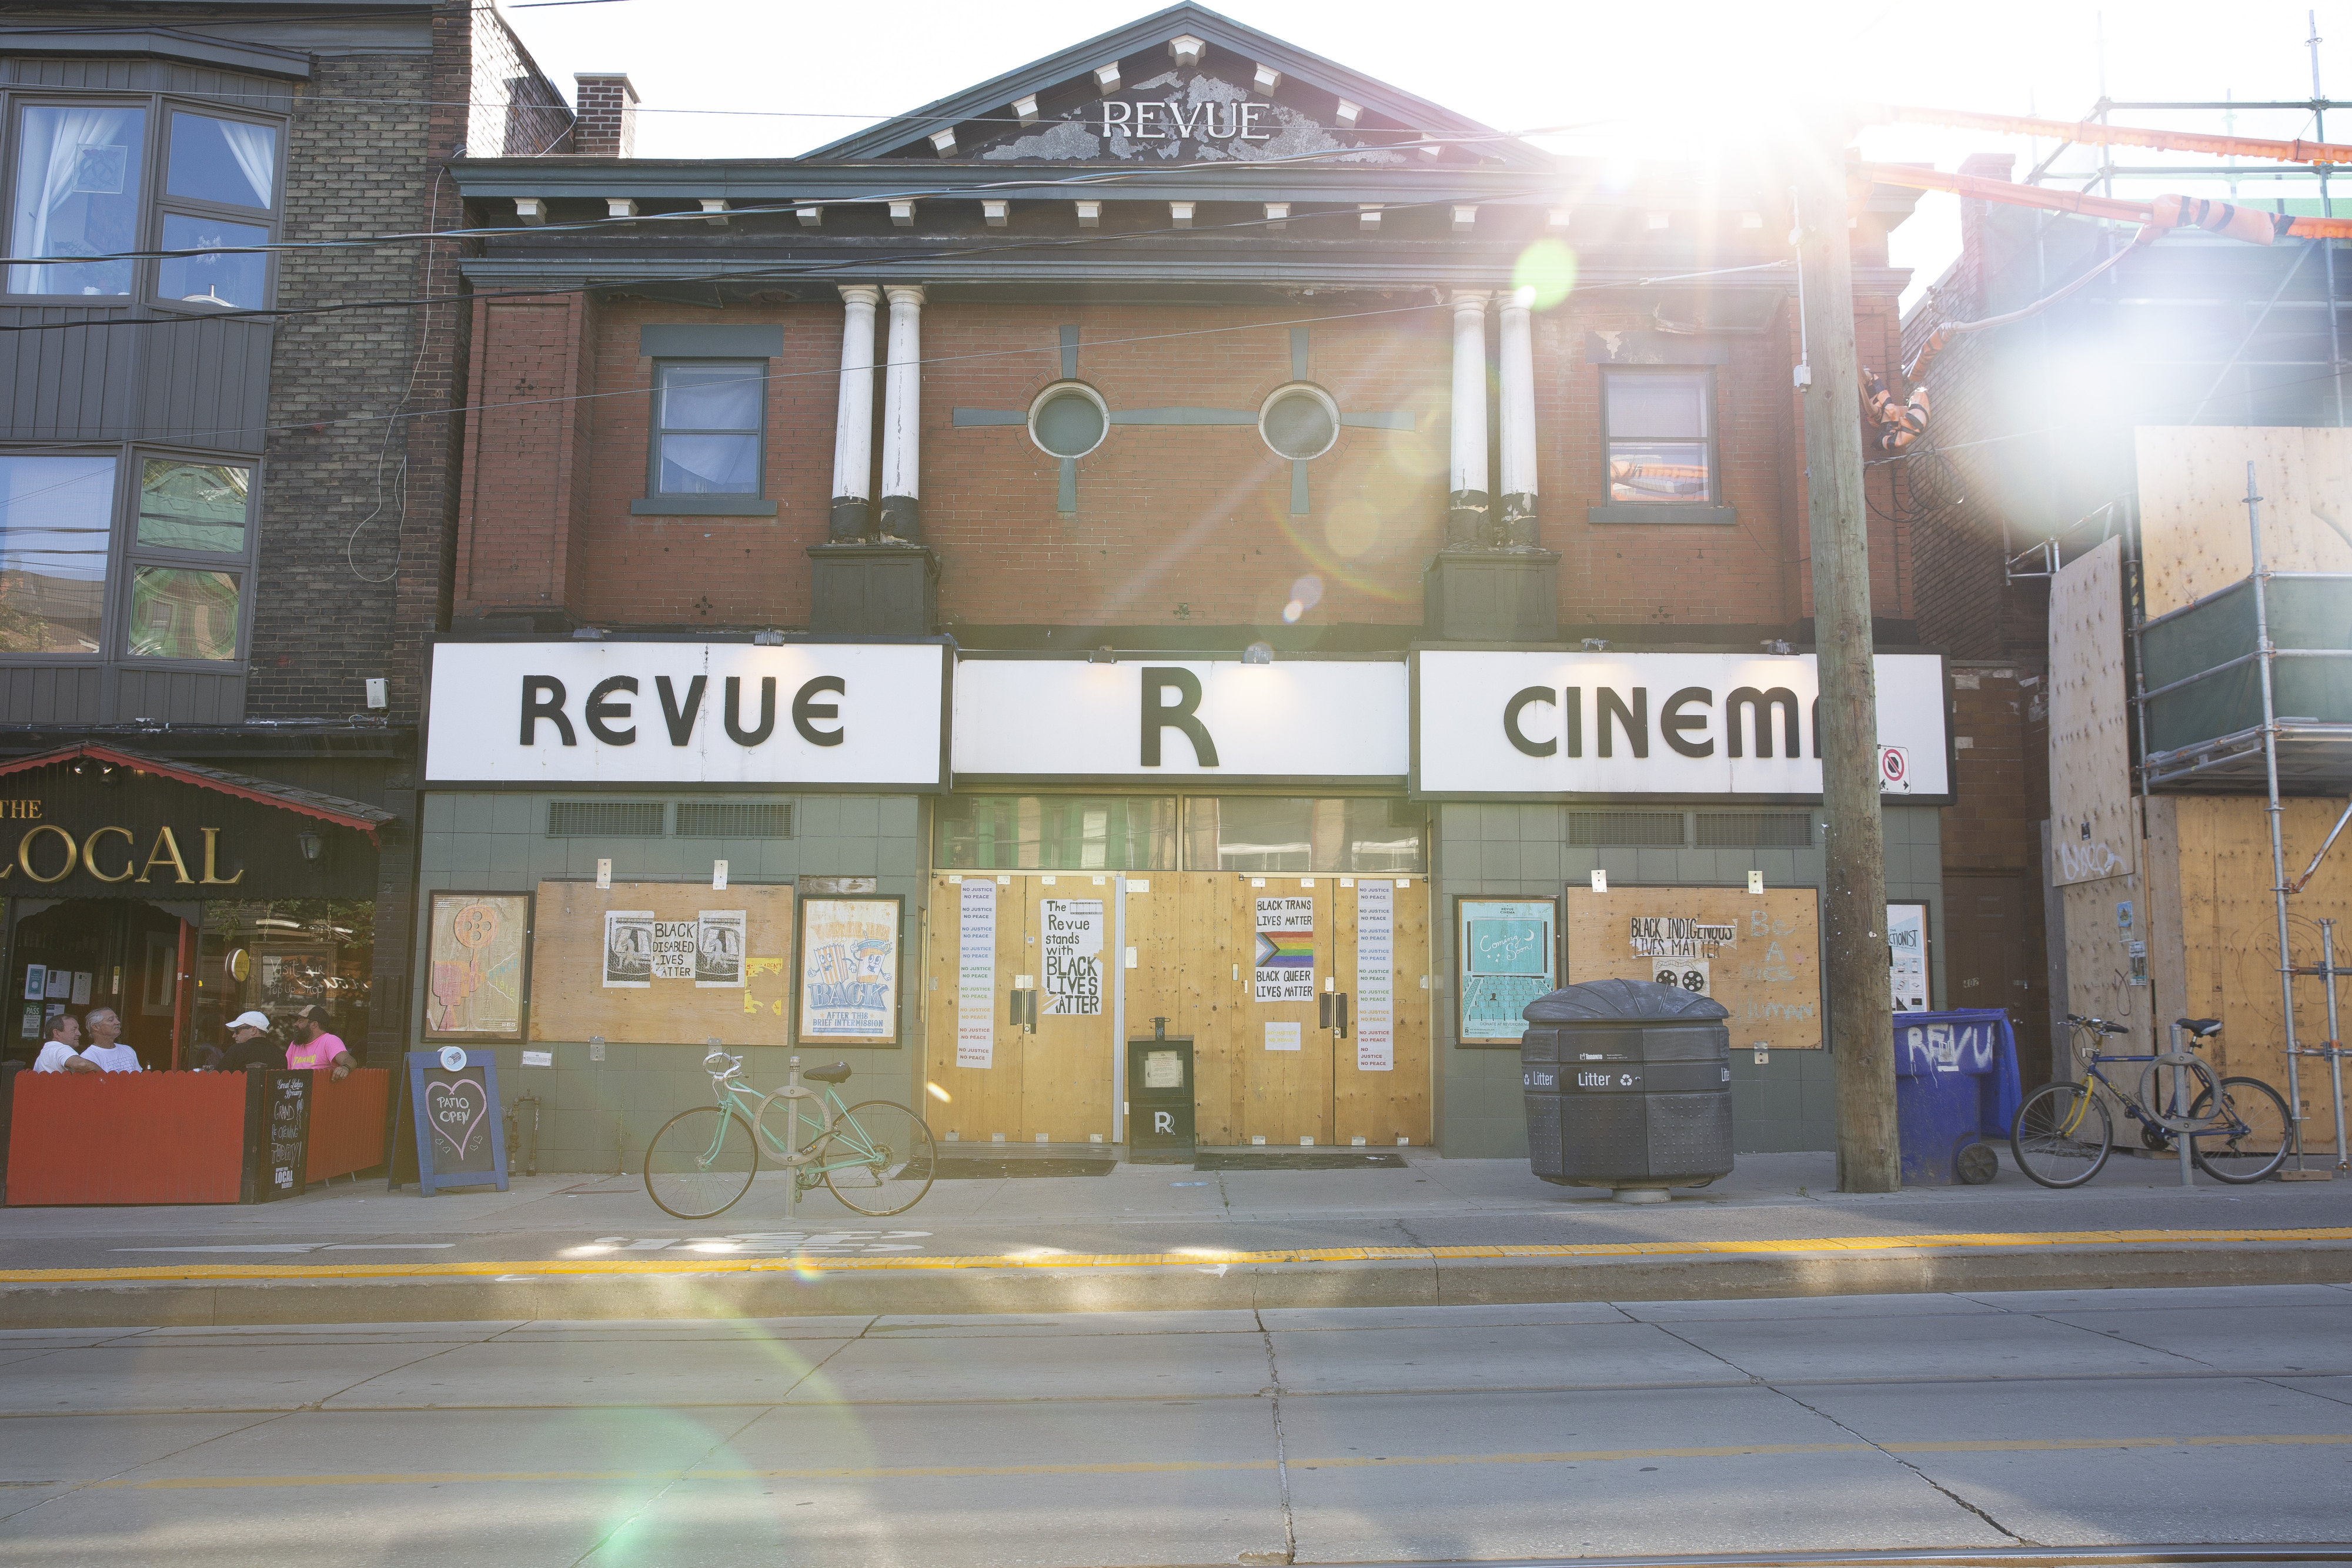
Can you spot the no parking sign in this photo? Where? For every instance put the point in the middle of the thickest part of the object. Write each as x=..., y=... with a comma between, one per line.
x=1894, y=770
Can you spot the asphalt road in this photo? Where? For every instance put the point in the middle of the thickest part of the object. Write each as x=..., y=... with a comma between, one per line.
x=1431, y=1202
x=2213, y=1417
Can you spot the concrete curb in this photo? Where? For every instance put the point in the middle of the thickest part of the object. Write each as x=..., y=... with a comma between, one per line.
x=1413, y=1282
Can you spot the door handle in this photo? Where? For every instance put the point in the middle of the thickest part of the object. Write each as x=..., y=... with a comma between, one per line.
x=1343, y=1015
x=1029, y=1006
x=1322, y=1009
x=1021, y=1010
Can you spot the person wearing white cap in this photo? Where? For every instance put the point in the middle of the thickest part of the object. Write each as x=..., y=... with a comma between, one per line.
x=249, y=1044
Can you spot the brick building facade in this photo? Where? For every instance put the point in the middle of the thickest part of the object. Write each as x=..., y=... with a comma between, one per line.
x=1278, y=433
x=266, y=441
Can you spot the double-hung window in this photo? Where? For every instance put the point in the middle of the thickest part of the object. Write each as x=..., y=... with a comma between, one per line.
x=125, y=555
x=709, y=421
x=88, y=182
x=1658, y=426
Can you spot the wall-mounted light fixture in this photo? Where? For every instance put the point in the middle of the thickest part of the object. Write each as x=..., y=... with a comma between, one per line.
x=310, y=843
x=1102, y=655
x=1258, y=653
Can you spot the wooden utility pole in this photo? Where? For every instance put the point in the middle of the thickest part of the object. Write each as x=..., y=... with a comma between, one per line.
x=1854, y=940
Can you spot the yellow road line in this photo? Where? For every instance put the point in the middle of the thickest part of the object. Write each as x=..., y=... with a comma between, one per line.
x=1195, y=1257
x=1189, y=1467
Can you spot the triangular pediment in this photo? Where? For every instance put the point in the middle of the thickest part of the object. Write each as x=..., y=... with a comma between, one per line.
x=1185, y=86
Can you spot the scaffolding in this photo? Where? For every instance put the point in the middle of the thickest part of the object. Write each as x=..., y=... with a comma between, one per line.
x=2305, y=750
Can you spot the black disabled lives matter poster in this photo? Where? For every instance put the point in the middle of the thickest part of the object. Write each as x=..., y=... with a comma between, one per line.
x=448, y=1131
x=1071, y=942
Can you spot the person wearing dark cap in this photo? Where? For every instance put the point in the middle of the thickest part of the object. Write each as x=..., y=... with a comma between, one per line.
x=314, y=1047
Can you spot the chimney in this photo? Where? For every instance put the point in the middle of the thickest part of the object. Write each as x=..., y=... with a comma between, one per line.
x=607, y=126
x=1973, y=220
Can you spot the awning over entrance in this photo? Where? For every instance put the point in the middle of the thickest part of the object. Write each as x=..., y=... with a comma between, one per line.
x=332, y=809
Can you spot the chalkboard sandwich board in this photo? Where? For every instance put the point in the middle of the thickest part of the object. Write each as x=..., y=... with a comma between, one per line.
x=276, y=1135
x=447, y=1130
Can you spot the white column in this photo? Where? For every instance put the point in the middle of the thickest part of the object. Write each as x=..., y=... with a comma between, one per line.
x=1519, y=403
x=853, y=429
x=1466, y=504
x=902, y=410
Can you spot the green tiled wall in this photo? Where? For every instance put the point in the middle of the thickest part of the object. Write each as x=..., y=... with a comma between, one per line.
x=592, y=1113
x=1522, y=852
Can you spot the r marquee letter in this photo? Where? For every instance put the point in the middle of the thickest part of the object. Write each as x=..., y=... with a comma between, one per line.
x=542, y=697
x=1157, y=716
x=1520, y=703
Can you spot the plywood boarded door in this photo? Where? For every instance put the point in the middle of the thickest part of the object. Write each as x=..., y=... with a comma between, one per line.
x=1282, y=934
x=1067, y=1064
x=1203, y=967
x=981, y=1102
x=1380, y=1073
x=1154, y=984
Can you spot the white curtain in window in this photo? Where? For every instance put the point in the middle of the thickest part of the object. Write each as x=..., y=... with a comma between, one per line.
x=46, y=166
x=254, y=148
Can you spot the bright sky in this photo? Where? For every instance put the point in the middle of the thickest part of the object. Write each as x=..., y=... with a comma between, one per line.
x=1646, y=81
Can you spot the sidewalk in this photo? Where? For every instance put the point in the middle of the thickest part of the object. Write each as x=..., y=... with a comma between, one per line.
x=1426, y=1230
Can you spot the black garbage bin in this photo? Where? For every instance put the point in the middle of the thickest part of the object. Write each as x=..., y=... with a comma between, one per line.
x=1628, y=1085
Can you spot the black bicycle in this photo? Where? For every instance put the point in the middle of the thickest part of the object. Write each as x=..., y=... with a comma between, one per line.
x=2239, y=1129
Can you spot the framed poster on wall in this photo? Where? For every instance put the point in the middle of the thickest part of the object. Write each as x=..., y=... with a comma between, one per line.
x=1504, y=957
x=1907, y=953
x=479, y=980
x=848, y=989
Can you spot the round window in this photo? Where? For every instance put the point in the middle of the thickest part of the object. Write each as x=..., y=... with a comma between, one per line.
x=1069, y=419
x=1299, y=421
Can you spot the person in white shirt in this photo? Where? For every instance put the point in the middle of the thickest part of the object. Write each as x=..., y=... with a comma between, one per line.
x=105, y=1048
x=61, y=1051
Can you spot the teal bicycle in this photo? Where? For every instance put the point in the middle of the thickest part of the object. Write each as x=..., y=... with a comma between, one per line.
x=878, y=1158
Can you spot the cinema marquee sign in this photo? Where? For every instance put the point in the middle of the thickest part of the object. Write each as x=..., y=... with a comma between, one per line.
x=1531, y=725
x=807, y=716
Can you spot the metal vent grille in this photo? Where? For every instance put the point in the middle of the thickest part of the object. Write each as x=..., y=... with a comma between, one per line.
x=1754, y=830
x=1643, y=829
x=733, y=819
x=604, y=818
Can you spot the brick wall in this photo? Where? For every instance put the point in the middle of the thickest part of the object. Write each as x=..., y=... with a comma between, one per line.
x=1175, y=525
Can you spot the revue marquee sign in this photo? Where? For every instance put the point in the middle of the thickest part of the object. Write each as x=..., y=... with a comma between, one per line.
x=1450, y=724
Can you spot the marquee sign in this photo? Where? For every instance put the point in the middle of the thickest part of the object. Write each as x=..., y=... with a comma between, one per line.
x=809, y=716
x=1146, y=718
x=1504, y=723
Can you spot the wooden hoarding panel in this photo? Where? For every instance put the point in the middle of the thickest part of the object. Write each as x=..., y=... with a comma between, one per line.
x=2093, y=829
x=1207, y=981
x=977, y=1061
x=602, y=964
x=1383, y=1106
x=1766, y=970
x=2192, y=489
x=1066, y=1063
x=1282, y=936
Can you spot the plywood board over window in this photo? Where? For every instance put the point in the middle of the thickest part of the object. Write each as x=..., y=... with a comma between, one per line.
x=1759, y=953
x=2192, y=489
x=2094, y=825
x=704, y=974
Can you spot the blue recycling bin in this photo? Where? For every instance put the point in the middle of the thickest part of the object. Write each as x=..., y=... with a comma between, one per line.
x=1956, y=1086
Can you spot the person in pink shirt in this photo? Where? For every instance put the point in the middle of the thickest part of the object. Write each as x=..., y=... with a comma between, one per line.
x=314, y=1048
